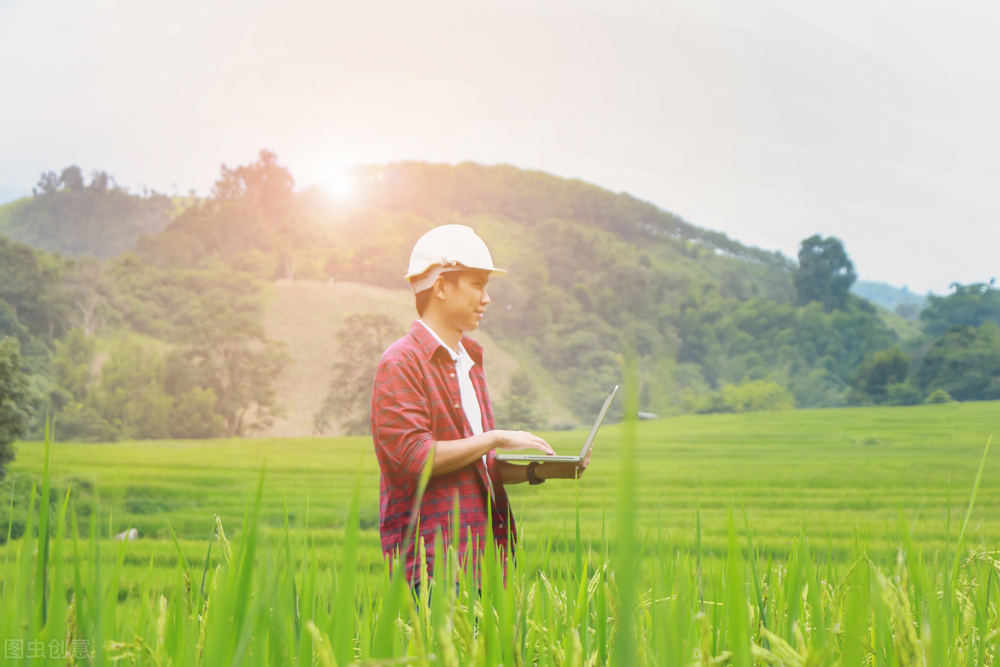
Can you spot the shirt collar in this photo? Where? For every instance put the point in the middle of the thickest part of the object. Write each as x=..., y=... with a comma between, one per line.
x=430, y=343
x=455, y=356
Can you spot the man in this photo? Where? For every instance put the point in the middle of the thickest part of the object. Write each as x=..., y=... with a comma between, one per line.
x=430, y=395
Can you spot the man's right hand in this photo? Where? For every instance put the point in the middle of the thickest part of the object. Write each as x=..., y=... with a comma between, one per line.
x=522, y=440
x=450, y=455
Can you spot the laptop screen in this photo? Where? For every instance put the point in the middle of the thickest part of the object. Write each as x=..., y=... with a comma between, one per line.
x=597, y=424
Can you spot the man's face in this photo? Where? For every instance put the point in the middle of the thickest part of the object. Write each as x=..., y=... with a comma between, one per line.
x=467, y=299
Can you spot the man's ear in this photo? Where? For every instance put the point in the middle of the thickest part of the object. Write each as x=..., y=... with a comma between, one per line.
x=440, y=288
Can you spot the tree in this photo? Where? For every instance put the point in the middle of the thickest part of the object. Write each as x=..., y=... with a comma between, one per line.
x=72, y=178
x=70, y=369
x=518, y=410
x=264, y=185
x=973, y=305
x=879, y=371
x=19, y=276
x=74, y=416
x=130, y=394
x=363, y=337
x=88, y=289
x=254, y=214
x=965, y=362
x=47, y=184
x=15, y=400
x=226, y=351
x=33, y=350
x=30, y=283
x=194, y=415
x=825, y=273
x=100, y=181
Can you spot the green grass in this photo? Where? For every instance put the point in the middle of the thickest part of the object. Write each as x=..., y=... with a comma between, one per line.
x=815, y=536
x=785, y=469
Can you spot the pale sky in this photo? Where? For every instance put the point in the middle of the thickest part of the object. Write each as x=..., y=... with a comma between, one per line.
x=876, y=122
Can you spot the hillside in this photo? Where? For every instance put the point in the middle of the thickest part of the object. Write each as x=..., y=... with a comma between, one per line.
x=594, y=278
x=899, y=300
x=306, y=315
x=526, y=196
x=99, y=219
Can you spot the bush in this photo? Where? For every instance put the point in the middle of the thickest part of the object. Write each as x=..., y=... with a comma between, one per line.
x=881, y=369
x=938, y=396
x=754, y=396
x=904, y=393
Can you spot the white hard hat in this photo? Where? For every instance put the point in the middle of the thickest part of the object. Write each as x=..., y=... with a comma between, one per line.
x=447, y=248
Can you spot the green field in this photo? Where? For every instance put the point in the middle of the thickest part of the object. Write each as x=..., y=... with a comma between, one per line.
x=842, y=473
x=839, y=483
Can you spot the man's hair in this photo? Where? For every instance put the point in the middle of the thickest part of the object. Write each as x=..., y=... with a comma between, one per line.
x=424, y=298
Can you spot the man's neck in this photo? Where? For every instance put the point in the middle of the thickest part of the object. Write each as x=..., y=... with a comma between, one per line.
x=451, y=337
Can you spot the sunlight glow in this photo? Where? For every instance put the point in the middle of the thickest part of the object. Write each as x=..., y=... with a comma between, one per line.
x=343, y=186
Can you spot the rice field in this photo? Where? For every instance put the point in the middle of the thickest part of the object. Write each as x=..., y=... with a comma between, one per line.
x=827, y=537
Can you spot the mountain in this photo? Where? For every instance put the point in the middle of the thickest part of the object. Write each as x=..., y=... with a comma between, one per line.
x=595, y=278
x=98, y=220
x=899, y=300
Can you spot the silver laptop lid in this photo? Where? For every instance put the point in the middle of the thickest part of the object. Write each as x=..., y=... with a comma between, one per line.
x=597, y=424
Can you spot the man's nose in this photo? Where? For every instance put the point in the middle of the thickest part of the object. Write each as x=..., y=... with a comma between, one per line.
x=485, y=299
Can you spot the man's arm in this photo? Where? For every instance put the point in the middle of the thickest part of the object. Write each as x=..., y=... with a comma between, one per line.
x=402, y=426
x=450, y=455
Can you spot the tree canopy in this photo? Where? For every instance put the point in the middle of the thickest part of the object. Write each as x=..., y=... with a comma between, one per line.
x=973, y=305
x=362, y=338
x=965, y=362
x=99, y=219
x=875, y=376
x=825, y=273
x=15, y=400
x=253, y=222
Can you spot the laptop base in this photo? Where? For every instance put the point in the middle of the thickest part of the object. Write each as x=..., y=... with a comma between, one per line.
x=541, y=458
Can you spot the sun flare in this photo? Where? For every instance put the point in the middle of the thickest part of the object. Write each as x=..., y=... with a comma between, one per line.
x=342, y=186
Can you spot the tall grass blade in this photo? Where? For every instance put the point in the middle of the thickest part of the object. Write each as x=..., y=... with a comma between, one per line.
x=425, y=477
x=738, y=624
x=968, y=513
x=383, y=642
x=42, y=566
x=208, y=559
x=624, y=560
x=55, y=625
x=344, y=608
x=757, y=588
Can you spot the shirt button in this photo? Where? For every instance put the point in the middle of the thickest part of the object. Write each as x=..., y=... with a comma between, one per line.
x=451, y=375
x=458, y=405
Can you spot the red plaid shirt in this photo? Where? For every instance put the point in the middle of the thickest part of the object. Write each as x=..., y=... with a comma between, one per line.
x=416, y=402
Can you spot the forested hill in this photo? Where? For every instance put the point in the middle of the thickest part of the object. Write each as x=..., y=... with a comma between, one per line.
x=175, y=338
x=67, y=215
x=527, y=196
x=899, y=300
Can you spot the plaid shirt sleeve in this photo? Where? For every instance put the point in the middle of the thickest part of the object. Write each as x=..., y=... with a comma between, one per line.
x=403, y=427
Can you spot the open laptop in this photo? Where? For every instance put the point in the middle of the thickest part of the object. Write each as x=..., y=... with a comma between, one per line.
x=546, y=458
